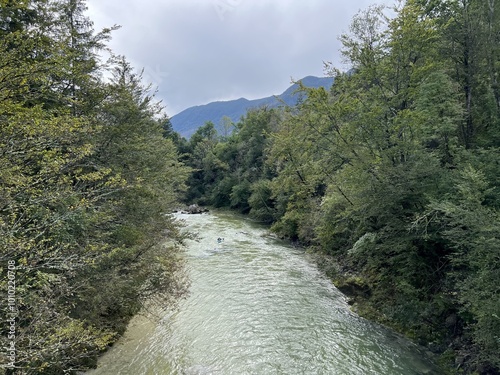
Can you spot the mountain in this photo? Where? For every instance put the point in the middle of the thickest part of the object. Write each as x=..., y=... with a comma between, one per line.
x=187, y=121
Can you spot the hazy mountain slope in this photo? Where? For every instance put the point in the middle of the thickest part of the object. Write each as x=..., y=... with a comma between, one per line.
x=187, y=121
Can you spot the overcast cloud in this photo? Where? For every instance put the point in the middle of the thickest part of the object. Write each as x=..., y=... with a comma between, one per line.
x=197, y=51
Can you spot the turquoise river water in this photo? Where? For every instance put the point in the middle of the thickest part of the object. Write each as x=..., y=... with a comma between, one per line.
x=257, y=306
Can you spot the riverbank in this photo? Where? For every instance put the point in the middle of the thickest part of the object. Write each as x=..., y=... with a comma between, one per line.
x=447, y=350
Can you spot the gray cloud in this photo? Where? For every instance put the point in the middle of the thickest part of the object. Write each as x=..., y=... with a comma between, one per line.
x=198, y=51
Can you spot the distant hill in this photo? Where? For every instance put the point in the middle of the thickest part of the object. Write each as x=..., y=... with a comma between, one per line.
x=187, y=121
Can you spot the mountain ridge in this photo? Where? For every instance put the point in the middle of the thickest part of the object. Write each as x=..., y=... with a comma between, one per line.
x=189, y=120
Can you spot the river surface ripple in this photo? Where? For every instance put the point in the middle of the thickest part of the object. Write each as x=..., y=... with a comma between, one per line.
x=257, y=306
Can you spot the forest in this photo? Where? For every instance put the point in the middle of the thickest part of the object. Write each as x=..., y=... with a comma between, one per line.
x=87, y=177
x=390, y=180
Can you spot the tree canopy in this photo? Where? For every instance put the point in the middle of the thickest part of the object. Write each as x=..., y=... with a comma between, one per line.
x=393, y=174
x=88, y=181
x=391, y=179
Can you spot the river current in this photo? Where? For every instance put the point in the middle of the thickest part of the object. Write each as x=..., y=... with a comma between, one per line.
x=257, y=306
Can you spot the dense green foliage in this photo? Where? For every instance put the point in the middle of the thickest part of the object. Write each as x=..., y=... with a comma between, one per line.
x=391, y=178
x=87, y=180
x=394, y=173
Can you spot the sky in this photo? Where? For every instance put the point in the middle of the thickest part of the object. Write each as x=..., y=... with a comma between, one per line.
x=199, y=51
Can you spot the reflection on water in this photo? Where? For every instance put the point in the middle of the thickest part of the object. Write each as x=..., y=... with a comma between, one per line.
x=257, y=306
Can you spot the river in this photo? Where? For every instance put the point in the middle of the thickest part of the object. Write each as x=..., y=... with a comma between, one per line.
x=257, y=306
